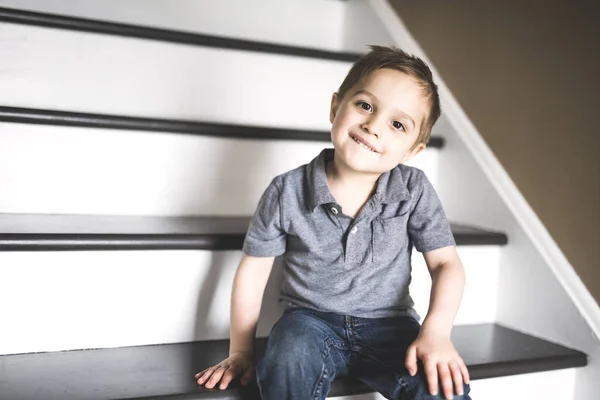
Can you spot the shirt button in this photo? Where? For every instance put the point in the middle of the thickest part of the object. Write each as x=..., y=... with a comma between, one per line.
x=354, y=229
x=334, y=210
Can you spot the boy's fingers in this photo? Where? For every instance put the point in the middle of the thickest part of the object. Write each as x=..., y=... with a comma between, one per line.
x=215, y=378
x=411, y=360
x=227, y=378
x=199, y=374
x=457, y=378
x=432, y=376
x=465, y=372
x=205, y=375
x=446, y=380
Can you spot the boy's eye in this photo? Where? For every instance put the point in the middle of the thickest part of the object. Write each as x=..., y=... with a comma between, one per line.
x=365, y=106
x=398, y=125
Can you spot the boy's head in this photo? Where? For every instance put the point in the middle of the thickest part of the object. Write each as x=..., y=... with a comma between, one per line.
x=389, y=102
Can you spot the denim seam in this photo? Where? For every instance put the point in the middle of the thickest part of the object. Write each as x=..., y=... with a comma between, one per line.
x=338, y=344
x=326, y=348
x=320, y=382
x=325, y=354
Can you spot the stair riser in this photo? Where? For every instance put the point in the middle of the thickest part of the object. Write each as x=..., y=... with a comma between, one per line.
x=76, y=300
x=279, y=21
x=552, y=385
x=74, y=71
x=45, y=169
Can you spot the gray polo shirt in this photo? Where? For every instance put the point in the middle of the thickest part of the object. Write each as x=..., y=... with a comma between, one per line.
x=349, y=266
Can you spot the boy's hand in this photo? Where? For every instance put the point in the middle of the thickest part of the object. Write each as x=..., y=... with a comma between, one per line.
x=439, y=358
x=226, y=370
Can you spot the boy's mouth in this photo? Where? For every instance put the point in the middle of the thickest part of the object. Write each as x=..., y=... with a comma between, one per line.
x=363, y=143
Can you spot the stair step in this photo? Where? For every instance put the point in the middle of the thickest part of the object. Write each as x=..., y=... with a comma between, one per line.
x=30, y=232
x=87, y=120
x=56, y=21
x=140, y=372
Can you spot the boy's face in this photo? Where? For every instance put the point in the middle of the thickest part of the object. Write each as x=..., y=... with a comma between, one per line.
x=384, y=112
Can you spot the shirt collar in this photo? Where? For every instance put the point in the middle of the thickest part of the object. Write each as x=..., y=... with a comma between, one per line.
x=390, y=185
x=317, y=180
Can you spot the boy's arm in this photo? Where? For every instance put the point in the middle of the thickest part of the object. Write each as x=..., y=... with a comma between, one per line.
x=447, y=286
x=246, y=298
x=433, y=345
x=265, y=239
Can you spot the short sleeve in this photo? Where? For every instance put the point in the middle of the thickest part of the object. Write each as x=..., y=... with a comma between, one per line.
x=427, y=224
x=266, y=237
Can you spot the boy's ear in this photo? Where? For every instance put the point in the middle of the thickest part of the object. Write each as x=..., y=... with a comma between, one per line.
x=413, y=152
x=334, y=107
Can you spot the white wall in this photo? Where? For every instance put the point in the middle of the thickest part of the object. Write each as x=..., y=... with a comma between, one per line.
x=362, y=27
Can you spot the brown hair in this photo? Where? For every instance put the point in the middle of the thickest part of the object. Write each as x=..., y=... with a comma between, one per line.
x=394, y=58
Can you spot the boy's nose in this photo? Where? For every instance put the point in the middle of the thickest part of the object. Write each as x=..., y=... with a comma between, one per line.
x=370, y=127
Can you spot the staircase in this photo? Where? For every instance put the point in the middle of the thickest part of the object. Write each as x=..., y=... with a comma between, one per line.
x=135, y=140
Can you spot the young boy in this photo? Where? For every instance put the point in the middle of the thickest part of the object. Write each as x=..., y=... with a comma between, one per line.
x=347, y=223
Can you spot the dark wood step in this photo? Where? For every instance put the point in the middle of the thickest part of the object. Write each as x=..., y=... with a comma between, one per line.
x=104, y=121
x=56, y=21
x=167, y=371
x=31, y=232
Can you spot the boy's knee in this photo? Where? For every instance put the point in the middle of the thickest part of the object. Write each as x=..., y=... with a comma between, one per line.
x=289, y=346
x=292, y=357
x=296, y=340
x=287, y=352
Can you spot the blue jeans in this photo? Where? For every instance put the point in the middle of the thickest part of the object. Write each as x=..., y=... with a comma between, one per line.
x=307, y=350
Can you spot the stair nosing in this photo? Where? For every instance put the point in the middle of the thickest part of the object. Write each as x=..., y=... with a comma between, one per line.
x=154, y=233
x=540, y=364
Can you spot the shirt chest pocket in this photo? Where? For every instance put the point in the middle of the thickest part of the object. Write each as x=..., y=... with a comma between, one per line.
x=390, y=238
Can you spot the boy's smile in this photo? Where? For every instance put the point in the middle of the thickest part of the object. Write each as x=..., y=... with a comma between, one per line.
x=377, y=123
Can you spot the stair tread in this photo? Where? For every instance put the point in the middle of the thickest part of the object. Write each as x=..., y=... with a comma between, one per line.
x=27, y=232
x=166, y=35
x=489, y=350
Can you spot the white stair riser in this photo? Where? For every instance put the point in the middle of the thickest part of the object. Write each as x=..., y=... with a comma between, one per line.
x=551, y=385
x=47, y=169
x=278, y=21
x=482, y=270
x=75, y=300
x=74, y=71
